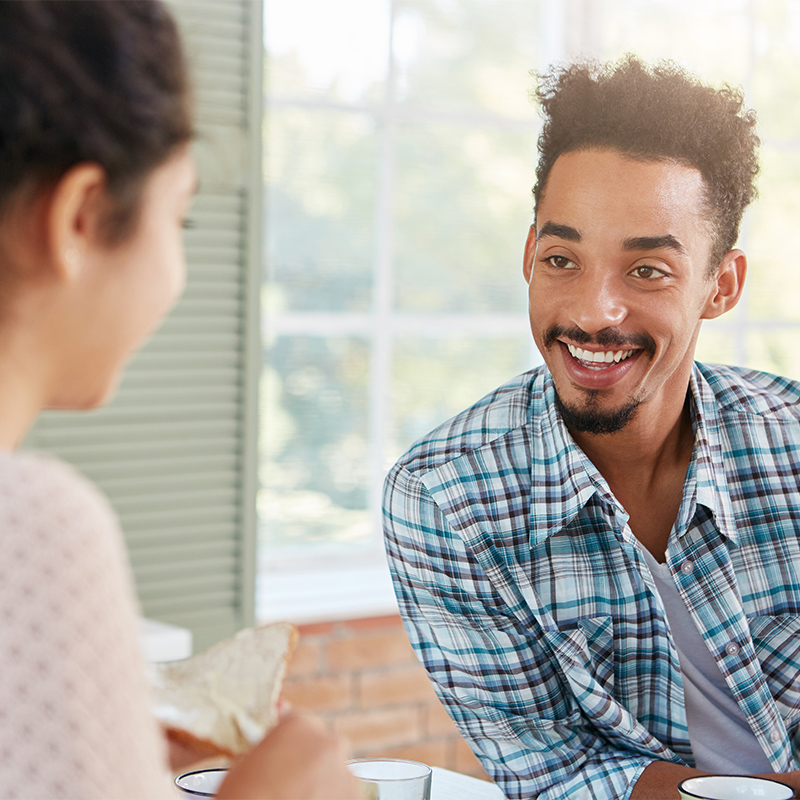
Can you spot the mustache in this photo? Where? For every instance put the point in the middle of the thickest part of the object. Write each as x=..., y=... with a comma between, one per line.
x=610, y=338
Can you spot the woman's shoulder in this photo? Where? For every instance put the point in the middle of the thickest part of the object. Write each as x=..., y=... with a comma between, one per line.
x=28, y=473
x=73, y=678
x=41, y=496
x=62, y=554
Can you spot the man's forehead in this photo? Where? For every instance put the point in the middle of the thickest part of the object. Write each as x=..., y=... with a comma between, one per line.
x=638, y=200
x=574, y=170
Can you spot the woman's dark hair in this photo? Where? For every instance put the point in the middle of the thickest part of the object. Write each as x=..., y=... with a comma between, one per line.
x=100, y=81
x=655, y=114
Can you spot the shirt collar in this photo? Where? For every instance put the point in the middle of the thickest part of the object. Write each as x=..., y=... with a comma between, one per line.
x=712, y=483
x=565, y=480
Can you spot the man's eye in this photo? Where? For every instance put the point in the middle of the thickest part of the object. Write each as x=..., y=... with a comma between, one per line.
x=647, y=272
x=560, y=262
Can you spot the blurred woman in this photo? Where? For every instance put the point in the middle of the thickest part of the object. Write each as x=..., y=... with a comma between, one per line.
x=96, y=178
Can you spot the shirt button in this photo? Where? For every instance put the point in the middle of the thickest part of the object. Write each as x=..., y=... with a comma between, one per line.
x=687, y=567
x=775, y=736
x=732, y=649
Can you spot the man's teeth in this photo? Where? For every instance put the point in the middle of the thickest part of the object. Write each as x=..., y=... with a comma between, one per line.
x=600, y=357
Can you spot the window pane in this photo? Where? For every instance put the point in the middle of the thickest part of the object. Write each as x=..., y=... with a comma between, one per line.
x=774, y=290
x=463, y=208
x=333, y=50
x=775, y=351
x=433, y=379
x=710, y=38
x=314, y=463
x=320, y=197
x=775, y=90
x=718, y=342
x=454, y=56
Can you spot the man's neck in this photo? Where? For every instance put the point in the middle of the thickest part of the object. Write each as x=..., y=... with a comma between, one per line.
x=645, y=467
x=640, y=448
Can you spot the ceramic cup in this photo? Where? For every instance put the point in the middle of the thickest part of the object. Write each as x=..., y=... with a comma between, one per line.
x=392, y=778
x=734, y=787
x=200, y=782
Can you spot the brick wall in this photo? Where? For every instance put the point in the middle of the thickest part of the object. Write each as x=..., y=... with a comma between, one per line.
x=362, y=677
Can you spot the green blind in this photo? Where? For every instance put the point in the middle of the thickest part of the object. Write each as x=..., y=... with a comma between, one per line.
x=175, y=450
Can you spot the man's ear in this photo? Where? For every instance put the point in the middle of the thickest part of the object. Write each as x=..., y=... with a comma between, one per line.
x=530, y=253
x=728, y=284
x=74, y=218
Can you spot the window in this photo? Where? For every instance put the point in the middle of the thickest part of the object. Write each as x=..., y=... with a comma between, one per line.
x=399, y=149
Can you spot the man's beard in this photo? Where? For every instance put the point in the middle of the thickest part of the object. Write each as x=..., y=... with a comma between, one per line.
x=590, y=418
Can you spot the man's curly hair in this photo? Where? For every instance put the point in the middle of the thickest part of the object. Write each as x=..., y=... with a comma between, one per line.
x=660, y=113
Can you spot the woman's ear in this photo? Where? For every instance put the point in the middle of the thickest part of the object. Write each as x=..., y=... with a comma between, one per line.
x=74, y=218
x=728, y=283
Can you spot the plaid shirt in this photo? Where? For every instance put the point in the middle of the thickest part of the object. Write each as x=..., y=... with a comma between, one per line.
x=529, y=602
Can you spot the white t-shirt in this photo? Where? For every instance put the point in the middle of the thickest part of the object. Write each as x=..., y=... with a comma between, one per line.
x=75, y=718
x=721, y=739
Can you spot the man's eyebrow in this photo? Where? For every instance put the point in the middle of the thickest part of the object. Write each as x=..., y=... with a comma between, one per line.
x=560, y=231
x=654, y=243
x=570, y=234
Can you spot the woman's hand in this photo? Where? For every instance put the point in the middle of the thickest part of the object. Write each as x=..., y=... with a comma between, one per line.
x=296, y=760
x=183, y=756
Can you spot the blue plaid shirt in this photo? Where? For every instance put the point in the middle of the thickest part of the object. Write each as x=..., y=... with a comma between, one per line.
x=528, y=600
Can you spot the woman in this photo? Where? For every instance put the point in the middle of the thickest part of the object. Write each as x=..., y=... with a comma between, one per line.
x=95, y=182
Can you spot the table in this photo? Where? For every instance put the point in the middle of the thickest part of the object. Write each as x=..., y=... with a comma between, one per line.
x=449, y=785
x=445, y=784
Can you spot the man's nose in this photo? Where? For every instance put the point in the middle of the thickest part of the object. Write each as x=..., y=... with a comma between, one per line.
x=598, y=301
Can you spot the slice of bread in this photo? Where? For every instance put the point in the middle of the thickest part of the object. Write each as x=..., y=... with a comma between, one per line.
x=225, y=700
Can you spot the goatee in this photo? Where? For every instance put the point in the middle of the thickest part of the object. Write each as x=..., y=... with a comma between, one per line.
x=591, y=419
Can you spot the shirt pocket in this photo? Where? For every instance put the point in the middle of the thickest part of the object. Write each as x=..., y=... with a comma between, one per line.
x=776, y=639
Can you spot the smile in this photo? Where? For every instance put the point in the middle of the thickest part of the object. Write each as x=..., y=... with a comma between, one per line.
x=598, y=359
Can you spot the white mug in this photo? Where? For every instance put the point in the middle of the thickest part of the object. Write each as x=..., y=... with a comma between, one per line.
x=734, y=787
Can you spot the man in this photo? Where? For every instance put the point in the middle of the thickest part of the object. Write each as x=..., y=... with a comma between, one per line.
x=599, y=563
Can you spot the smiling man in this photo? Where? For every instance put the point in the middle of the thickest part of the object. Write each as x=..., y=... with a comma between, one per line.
x=599, y=563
